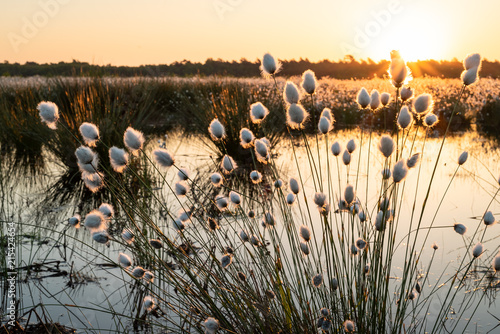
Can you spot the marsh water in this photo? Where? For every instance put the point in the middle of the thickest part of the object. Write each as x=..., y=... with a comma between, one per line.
x=67, y=278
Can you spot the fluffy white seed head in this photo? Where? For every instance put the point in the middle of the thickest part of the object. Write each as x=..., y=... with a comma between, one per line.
x=138, y=272
x=278, y=184
x=128, y=236
x=349, y=194
x=118, y=158
x=309, y=81
x=385, y=98
x=386, y=146
x=107, y=210
x=477, y=251
x=244, y=236
x=472, y=60
x=95, y=220
x=294, y=185
x=362, y=216
x=363, y=98
x=349, y=326
x=375, y=100
x=305, y=233
x=324, y=125
x=460, y=228
x=258, y=112
x=124, y=260
x=216, y=130
x=354, y=249
x=268, y=220
x=346, y=157
x=470, y=76
x=291, y=93
x=149, y=303
x=216, y=179
x=422, y=104
x=269, y=65
x=75, y=221
x=93, y=181
x=255, y=176
x=221, y=202
x=406, y=93
x=226, y=260
x=290, y=198
x=405, y=118
x=228, y=165
x=183, y=174
x=296, y=116
x=463, y=157
x=49, y=113
x=430, y=120
x=399, y=171
x=133, y=140
x=386, y=173
x=101, y=237
x=327, y=112
x=261, y=151
x=90, y=133
x=235, y=198
x=361, y=243
x=163, y=158
x=496, y=263
x=336, y=148
x=413, y=160
x=85, y=155
x=304, y=248
x=489, y=219
x=148, y=277
x=181, y=188
x=246, y=138
x=211, y=325
x=322, y=203
x=317, y=280
x=397, y=70
x=351, y=146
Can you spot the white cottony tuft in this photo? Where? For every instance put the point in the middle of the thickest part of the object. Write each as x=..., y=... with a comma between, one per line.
x=95, y=220
x=118, y=159
x=268, y=220
x=261, y=151
x=346, y=158
x=149, y=303
x=226, y=260
x=75, y=221
x=336, y=148
x=258, y=112
x=327, y=112
x=406, y=93
x=49, y=113
x=235, y=198
x=291, y=93
x=470, y=76
x=375, y=100
x=90, y=133
x=430, y=120
x=244, y=236
x=255, y=176
x=216, y=130
x=128, y=236
x=423, y=104
x=349, y=194
x=93, y=181
x=216, y=179
x=163, y=157
x=309, y=81
x=85, y=155
x=101, y=237
x=363, y=98
x=133, y=140
x=472, y=60
x=221, y=202
x=322, y=203
x=290, y=198
x=304, y=248
x=361, y=243
x=477, y=251
x=460, y=228
x=305, y=233
x=496, y=263
x=246, y=138
x=489, y=219
x=278, y=183
x=405, y=118
x=124, y=260
x=294, y=185
x=397, y=70
x=138, y=272
x=399, y=171
x=386, y=146
x=296, y=116
x=463, y=157
x=351, y=146
x=211, y=325
x=183, y=174
x=324, y=125
x=107, y=210
x=269, y=65
x=385, y=98
x=317, y=280
x=413, y=160
x=181, y=188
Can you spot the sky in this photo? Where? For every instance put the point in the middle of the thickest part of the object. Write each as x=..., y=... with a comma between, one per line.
x=126, y=32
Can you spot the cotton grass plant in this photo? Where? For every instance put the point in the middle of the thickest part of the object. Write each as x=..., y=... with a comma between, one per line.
x=313, y=254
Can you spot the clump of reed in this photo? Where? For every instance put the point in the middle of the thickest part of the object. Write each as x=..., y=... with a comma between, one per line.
x=314, y=252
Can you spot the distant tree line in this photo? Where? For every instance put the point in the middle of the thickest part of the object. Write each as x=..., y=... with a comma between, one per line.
x=348, y=68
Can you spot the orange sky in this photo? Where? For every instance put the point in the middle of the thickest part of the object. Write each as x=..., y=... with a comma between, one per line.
x=129, y=32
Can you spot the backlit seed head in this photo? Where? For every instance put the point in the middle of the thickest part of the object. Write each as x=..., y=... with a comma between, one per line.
x=156, y=243
x=435, y=246
x=430, y=120
x=489, y=219
x=163, y=158
x=226, y=260
x=367, y=268
x=255, y=176
x=296, y=115
x=386, y=146
x=149, y=303
x=496, y=263
x=128, y=236
x=183, y=174
x=101, y=237
x=75, y=221
x=181, y=188
x=320, y=199
x=317, y=280
x=246, y=137
x=235, y=198
x=375, y=100
x=216, y=130
x=269, y=65
x=95, y=220
x=327, y=325
x=294, y=185
x=49, y=113
x=305, y=233
x=228, y=165
x=90, y=133
x=405, y=118
x=327, y=112
x=258, y=112
x=325, y=312
x=363, y=98
x=384, y=204
x=346, y=158
x=261, y=151
x=413, y=161
x=423, y=104
x=290, y=199
x=418, y=287
x=351, y=146
x=211, y=325
x=460, y=228
x=406, y=93
x=254, y=240
x=399, y=171
x=268, y=219
x=472, y=60
x=270, y=295
x=324, y=125
x=349, y=326
x=470, y=76
x=124, y=260
x=336, y=148
x=362, y=216
x=397, y=70
x=278, y=184
x=251, y=214
x=304, y=248
x=93, y=181
x=118, y=158
x=463, y=157
x=216, y=179
x=291, y=93
x=148, y=277
x=360, y=243
x=244, y=236
x=134, y=140
x=221, y=202
x=85, y=155
x=349, y=194
x=386, y=173
x=335, y=284
x=385, y=98
x=477, y=251
x=309, y=81
x=354, y=249
x=107, y=210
